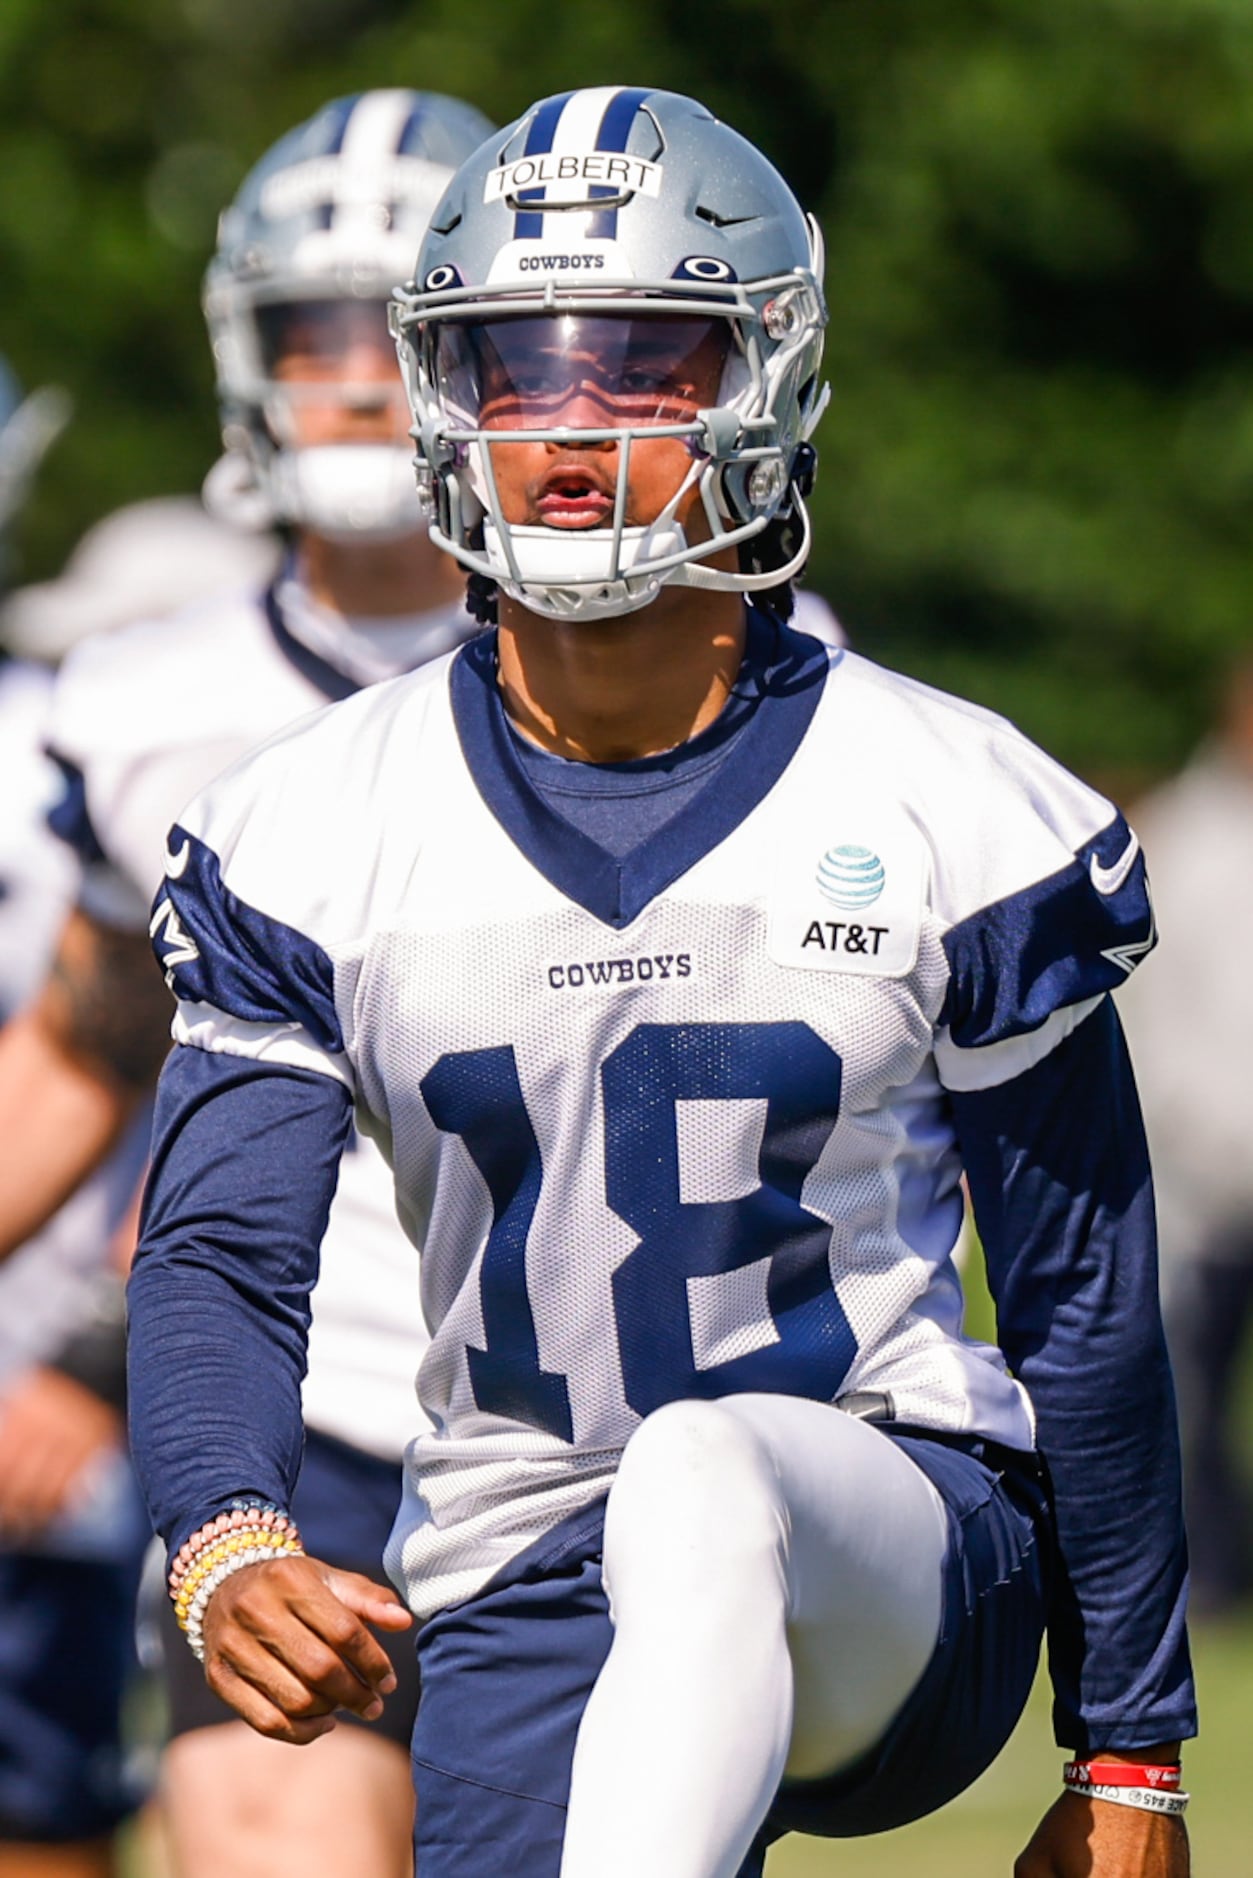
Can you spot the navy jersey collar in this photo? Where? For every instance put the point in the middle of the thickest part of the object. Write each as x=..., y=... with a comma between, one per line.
x=334, y=685
x=789, y=671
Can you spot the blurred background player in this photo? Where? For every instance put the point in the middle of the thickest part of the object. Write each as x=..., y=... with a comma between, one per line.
x=315, y=426
x=65, y=1611
x=1190, y=1022
x=72, y=1528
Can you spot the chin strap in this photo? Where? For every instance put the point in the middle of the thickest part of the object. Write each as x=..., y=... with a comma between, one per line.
x=575, y=587
x=722, y=580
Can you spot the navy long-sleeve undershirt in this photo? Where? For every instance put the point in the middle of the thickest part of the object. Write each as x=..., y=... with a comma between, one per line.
x=1059, y=1178
x=244, y=1168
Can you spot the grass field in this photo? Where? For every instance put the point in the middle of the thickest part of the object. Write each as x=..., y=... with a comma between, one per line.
x=980, y=1834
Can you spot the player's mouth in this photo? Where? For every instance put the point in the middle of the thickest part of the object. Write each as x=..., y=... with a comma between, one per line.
x=571, y=497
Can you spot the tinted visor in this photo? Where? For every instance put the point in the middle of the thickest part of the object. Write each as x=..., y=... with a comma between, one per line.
x=320, y=332
x=585, y=371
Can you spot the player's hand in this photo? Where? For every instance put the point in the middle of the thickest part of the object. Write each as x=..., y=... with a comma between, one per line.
x=286, y=1644
x=1082, y=1838
x=51, y=1429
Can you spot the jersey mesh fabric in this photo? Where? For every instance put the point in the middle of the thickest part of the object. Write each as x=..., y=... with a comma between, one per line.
x=587, y=1254
x=883, y=1189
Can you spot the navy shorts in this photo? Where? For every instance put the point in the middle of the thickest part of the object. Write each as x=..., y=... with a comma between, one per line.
x=506, y=1677
x=344, y=1504
x=67, y=1628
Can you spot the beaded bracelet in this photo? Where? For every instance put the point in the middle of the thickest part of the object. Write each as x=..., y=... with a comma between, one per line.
x=251, y=1532
x=246, y=1538
x=245, y=1512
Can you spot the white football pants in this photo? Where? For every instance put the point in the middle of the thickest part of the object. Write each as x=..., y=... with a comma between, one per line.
x=773, y=1569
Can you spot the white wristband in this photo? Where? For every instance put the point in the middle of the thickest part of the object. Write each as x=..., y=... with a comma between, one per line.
x=1147, y=1799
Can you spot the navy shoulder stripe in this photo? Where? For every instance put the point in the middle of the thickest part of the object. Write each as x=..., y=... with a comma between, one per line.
x=69, y=817
x=1064, y=939
x=216, y=949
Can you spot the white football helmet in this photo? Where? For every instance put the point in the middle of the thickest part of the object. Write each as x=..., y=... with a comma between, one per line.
x=318, y=235
x=625, y=242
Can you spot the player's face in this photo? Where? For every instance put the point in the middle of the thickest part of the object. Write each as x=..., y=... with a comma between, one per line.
x=590, y=373
x=336, y=364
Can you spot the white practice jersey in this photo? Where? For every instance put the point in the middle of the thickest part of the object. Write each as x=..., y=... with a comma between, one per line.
x=37, y=875
x=143, y=718
x=669, y=1126
x=46, y=1287
x=812, y=615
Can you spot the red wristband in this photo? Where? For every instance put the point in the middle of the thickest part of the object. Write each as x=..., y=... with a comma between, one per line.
x=1161, y=1778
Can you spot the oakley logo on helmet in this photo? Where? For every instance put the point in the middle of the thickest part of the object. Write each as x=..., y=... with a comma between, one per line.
x=703, y=267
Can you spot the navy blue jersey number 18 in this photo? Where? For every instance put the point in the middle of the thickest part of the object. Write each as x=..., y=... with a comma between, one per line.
x=476, y=1094
x=802, y=1344
x=798, y=1342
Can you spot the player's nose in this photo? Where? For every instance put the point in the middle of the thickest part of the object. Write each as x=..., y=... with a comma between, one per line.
x=584, y=406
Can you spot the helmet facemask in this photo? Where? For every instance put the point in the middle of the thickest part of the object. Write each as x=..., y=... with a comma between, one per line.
x=629, y=356
x=294, y=368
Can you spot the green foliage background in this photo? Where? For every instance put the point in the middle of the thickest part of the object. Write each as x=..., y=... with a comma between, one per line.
x=1037, y=471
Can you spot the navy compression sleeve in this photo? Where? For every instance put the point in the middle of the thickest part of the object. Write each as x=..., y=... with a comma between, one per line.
x=245, y=1162
x=1059, y=1177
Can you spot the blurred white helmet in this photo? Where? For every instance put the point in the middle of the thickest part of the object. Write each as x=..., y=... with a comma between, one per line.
x=320, y=232
x=141, y=562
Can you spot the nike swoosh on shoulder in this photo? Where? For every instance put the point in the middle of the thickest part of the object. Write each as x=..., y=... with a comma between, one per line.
x=176, y=864
x=1108, y=880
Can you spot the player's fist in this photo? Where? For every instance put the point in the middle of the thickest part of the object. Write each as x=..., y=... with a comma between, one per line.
x=1082, y=1838
x=286, y=1644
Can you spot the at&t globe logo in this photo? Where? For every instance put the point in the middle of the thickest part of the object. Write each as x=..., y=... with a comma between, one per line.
x=850, y=877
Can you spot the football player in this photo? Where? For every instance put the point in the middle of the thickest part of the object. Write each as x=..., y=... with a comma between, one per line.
x=72, y=1529
x=315, y=426
x=683, y=965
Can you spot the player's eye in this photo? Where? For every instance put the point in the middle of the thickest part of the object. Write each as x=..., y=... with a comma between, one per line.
x=533, y=381
x=645, y=378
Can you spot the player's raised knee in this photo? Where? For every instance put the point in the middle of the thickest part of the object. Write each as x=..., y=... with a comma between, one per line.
x=696, y=1465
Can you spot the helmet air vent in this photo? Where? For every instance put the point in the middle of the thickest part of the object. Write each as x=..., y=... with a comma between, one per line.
x=722, y=221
